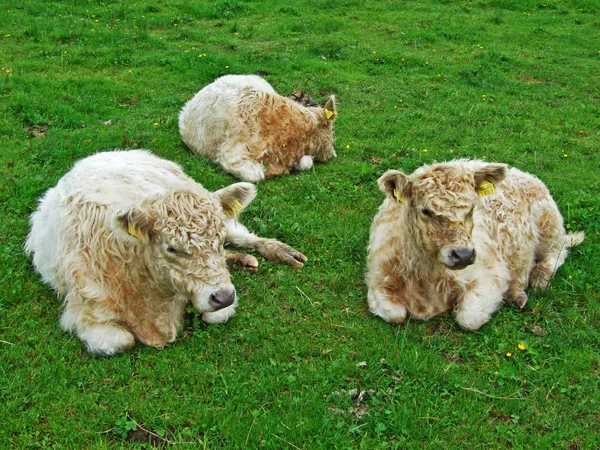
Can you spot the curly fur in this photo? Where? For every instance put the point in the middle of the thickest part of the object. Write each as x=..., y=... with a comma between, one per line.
x=240, y=122
x=128, y=239
x=517, y=235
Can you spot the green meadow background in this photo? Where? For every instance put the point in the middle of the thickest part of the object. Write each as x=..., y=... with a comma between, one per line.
x=304, y=365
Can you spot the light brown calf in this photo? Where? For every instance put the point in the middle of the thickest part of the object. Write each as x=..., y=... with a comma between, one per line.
x=240, y=122
x=462, y=236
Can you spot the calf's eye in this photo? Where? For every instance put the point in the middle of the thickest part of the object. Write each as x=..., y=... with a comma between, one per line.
x=427, y=212
x=171, y=250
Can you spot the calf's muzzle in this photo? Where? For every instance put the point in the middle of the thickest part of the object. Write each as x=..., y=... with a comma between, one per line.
x=223, y=298
x=461, y=257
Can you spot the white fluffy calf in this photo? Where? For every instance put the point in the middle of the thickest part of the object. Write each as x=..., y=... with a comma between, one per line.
x=128, y=239
x=240, y=122
x=462, y=236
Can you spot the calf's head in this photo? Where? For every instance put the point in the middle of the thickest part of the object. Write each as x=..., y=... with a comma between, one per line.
x=180, y=238
x=321, y=137
x=440, y=201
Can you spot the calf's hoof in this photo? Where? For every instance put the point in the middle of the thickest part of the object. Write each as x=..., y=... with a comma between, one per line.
x=282, y=253
x=521, y=300
x=243, y=261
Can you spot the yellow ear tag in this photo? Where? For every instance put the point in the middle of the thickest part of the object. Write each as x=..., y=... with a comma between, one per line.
x=398, y=196
x=131, y=229
x=234, y=208
x=329, y=114
x=486, y=188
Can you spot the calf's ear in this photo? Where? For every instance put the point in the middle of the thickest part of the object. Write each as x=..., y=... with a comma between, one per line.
x=396, y=185
x=236, y=197
x=133, y=224
x=488, y=177
x=329, y=109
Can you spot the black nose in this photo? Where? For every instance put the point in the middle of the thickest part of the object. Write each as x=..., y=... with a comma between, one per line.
x=462, y=257
x=223, y=298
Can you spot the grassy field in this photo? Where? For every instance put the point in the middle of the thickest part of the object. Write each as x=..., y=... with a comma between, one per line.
x=303, y=364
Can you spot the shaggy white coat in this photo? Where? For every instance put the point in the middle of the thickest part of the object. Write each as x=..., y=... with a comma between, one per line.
x=128, y=239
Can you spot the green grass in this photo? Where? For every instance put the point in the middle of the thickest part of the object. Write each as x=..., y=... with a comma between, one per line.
x=505, y=80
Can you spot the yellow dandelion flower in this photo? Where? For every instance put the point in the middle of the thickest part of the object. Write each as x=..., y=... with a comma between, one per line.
x=227, y=67
x=347, y=145
x=565, y=155
x=155, y=124
x=522, y=347
x=508, y=354
x=395, y=106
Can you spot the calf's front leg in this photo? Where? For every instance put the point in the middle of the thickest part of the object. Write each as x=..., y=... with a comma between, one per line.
x=384, y=304
x=94, y=326
x=478, y=304
x=304, y=163
x=271, y=249
x=241, y=260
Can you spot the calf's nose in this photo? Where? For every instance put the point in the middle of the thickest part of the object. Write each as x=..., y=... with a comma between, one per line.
x=223, y=298
x=462, y=257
